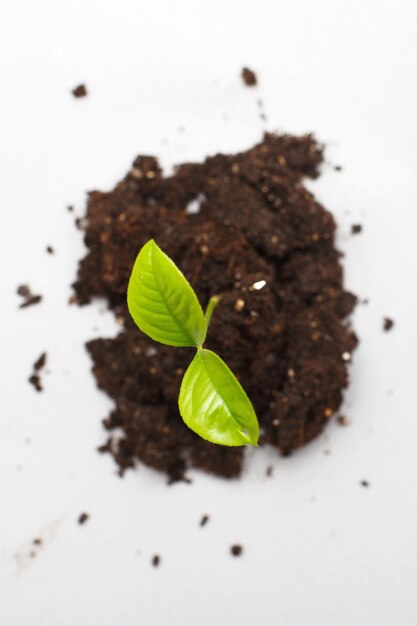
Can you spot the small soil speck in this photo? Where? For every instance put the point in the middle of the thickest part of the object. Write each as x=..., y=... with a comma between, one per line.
x=236, y=550
x=24, y=291
x=80, y=91
x=156, y=560
x=40, y=362
x=204, y=520
x=388, y=324
x=35, y=380
x=37, y=542
x=356, y=229
x=249, y=77
x=364, y=483
x=343, y=421
x=30, y=301
x=29, y=298
x=83, y=518
x=50, y=250
x=269, y=470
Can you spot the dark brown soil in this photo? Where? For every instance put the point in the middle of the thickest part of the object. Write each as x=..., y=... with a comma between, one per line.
x=204, y=520
x=356, y=229
x=156, y=560
x=29, y=298
x=388, y=324
x=36, y=381
x=236, y=550
x=288, y=342
x=83, y=518
x=342, y=420
x=249, y=77
x=80, y=91
x=40, y=362
x=24, y=291
x=35, y=378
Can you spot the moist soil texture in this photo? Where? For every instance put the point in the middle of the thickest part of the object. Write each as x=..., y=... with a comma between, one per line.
x=245, y=227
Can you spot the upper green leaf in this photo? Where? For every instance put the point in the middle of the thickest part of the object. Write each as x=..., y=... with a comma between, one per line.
x=214, y=405
x=162, y=302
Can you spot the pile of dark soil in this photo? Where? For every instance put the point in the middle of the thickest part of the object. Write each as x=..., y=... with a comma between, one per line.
x=287, y=340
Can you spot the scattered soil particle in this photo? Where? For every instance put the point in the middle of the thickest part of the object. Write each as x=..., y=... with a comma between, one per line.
x=35, y=378
x=37, y=542
x=364, y=483
x=249, y=77
x=31, y=301
x=338, y=168
x=356, y=229
x=50, y=250
x=204, y=520
x=236, y=550
x=269, y=471
x=289, y=342
x=80, y=91
x=343, y=421
x=24, y=291
x=70, y=208
x=40, y=362
x=83, y=518
x=29, y=298
x=156, y=560
x=388, y=324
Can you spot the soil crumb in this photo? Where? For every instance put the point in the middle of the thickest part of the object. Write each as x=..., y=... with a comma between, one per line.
x=35, y=378
x=40, y=362
x=30, y=299
x=388, y=324
x=260, y=240
x=249, y=77
x=342, y=420
x=356, y=229
x=156, y=560
x=236, y=550
x=364, y=483
x=204, y=520
x=50, y=250
x=80, y=91
x=83, y=518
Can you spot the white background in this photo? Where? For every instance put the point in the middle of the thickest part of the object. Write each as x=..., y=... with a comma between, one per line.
x=163, y=79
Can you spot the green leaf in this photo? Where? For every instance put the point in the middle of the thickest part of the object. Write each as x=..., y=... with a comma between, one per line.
x=214, y=405
x=162, y=302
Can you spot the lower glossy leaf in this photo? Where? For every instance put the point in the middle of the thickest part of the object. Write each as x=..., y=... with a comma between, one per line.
x=213, y=403
x=162, y=302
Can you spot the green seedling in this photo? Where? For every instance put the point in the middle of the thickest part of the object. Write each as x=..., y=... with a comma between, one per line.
x=165, y=307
